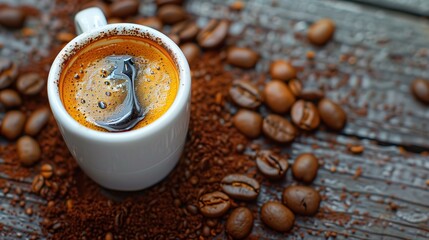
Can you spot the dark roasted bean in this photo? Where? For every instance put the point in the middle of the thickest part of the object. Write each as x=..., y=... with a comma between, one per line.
x=420, y=90
x=186, y=30
x=245, y=94
x=213, y=34
x=240, y=187
x=305, y=167
x=248, y=122
x=271, y=165
x=295, y=86
x=98, y=4
x=37, y=121
x=276, y=216
x=191, y=51
x=192, y=209
x=311, y=95
x=30, y=84
x=124, y=8
x=305, y=115
x=37, y=184
x=109, y=236
x=46, y=171
x=278, y=129
x=12, y=124
x=29, y=211
x=170, y=14
x=152, y=22
x=302, y=200
x=8, y=72
x=332, y=115
x=321, y=31
x=28, y=151
x=174, y=38
x=278, y=96
x=10, y=98
x=164, y=2
x=239, y=223
x=242, y=57
x=12, y=17
x=282, y=70
x=214, y=204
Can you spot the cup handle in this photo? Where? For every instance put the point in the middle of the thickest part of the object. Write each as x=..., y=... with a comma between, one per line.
x=89, y=19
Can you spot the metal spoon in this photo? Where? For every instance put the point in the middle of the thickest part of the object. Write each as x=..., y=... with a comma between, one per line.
x=131, y=112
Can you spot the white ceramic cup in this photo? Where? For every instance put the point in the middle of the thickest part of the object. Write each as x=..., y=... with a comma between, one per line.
x=135, y=159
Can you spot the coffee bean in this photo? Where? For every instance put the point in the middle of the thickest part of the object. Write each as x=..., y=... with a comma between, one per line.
x=305, y=167
x=245, y=94
x=332, y=115
x=98, y=4
x=109, y=236
x=124, y=8
x=12, y=125
x=240, y=187
x=420, y=90
x=174, y=38
x=313, y=95
x=37, y=121
x=213, y=34
x=302, y=200
x=164, y=2
x=46, y=171
x=242, y=57
x=37, y=183
x=30, y=84
x=12, y=17
x=61, y=172
x=295, y=86
x=28, y=150
x=10, y=98
x=305, y=115
x=191, y=51
x=321, y=31
x=237, y=5
x=8, y=72
x=186, y=30
x=170, y=14
x=206, y=231
x=152, y=22
x=29, y=211
x=239, y=223
x=271, y=165
x=114, y=20
x=65, y=37
x=278, y=96
x=192, y=209
x=282, y=70
x=69, y=204
x=356, y=149
x=278, y=129
x=248, y=122
x=276, y=216
x=212, y=222
x=214, y=204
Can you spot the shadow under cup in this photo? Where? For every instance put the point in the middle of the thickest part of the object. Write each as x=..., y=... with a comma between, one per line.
x=130, y=160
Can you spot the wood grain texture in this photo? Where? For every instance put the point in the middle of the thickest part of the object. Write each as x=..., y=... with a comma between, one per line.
x=375, y=55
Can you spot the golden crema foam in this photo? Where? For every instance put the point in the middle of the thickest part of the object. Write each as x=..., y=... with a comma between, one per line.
x=90, y=96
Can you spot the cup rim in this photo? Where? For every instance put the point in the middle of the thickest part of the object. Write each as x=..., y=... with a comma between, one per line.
x=65, y=120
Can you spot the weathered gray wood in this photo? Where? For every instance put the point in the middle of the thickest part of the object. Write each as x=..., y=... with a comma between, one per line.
x=383, y=52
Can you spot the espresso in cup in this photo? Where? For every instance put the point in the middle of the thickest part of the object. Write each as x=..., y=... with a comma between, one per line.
x=119, y=83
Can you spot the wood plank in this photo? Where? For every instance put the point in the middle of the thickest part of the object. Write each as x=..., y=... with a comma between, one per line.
x=382, y=53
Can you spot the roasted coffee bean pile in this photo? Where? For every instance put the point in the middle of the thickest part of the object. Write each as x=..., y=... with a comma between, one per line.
x=213, y=189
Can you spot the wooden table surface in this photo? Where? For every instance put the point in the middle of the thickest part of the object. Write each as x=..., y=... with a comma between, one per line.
x=377, y=53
